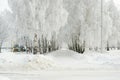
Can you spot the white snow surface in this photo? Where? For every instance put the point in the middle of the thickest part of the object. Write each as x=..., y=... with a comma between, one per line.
x=4, y=78
x=90, y=60
x=24, y=62
x=60, y=65
x=58, y=60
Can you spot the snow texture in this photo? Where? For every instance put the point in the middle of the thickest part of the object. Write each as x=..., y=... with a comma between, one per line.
x=4, y=78
x=61, y=59
x=27, y=62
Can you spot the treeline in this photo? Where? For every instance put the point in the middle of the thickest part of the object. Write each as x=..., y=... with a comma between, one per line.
x=41, y=45
x=109, y=47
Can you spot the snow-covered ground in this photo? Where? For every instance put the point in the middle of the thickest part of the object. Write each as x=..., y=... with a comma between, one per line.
x=24, y=62
x=60, y=65
x=90, y=60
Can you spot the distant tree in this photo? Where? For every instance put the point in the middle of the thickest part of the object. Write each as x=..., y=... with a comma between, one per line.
x=77, y=45
x=28, y=44
x=53, y=42
x=118, y=45
x=108, y=48
x=3, y=31
x=35, y=44
x=46, y=45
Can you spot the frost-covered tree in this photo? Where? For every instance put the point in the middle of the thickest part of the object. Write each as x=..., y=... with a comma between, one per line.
x=3, y=31
x=114, y=37
x=38, y=16
x=22, y=16
x=67, y=18
x=83, y=19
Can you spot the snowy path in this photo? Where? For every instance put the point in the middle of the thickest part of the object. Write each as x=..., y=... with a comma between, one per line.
x=65, y=75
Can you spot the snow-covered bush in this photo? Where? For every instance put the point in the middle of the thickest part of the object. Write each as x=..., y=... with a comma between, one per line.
x=22, y=48
x=16, y=48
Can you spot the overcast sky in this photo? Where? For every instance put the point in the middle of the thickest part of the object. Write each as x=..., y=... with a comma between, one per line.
x=117, y=2
x=4, y=4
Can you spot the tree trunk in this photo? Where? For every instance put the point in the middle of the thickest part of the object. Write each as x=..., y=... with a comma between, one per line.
x=1, y=46
x=0, y=49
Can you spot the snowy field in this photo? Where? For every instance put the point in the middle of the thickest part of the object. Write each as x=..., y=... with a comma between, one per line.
x=60, y=65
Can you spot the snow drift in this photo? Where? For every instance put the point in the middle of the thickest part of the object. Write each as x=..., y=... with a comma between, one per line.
x=12, y=61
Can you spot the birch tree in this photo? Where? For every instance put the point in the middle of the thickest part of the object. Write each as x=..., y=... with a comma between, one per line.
x=3, y=32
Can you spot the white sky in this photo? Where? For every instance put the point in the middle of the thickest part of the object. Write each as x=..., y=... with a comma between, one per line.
x=117, y=2
x=4, y=4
